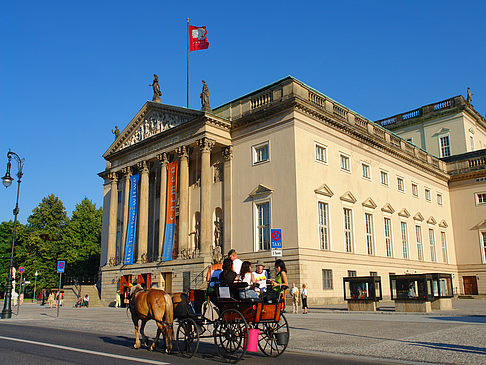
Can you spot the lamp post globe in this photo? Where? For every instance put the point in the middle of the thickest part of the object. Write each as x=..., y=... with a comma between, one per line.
x=7, y=181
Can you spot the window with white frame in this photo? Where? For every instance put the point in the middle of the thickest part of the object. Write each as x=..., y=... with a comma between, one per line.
x=352, y=273
x=483, y=245
x=345, y=162
x=404, y=231
x=366, y=170
x=480, y=198
x=400, y=184
x=261, y=153
x=427, y=195
x=443, y=240
x=384, y=178
x=326, y=279
x=388, y=237
x=433, y=256
x=348, y=229
x=444, y=146
x=323, y=221
x=321, y=153
x=420, y=245
x=263, y=225
x=369, y=231
x=439, y=199
x=415, y=191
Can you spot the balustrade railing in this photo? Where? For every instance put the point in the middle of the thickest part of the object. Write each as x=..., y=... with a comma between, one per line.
x=316, y=99
x=261, y=100
x=412, y=114
x=477, y=162
x=337, y=110
x=360, y=122
x=442, y=105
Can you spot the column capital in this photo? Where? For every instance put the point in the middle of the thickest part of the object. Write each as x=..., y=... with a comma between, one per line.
x=142, y=166
x=163, y=158
x=206, y=144
x=113, y=177
x=228, y=153
x=127, y=172
x=183, y=152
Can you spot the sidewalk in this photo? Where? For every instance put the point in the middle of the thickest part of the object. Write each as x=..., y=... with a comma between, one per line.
x=446, y=337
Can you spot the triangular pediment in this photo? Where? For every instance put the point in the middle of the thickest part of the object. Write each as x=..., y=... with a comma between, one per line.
x=348, y=197
x=260, y=190
x=324, y=190
x=481, y=224
x=418, y=217
x=404, y=213
x=441, y=131
x=152, y=119
x=443, y=224
x=369, y=203
x=387, y=208
x=431, y=220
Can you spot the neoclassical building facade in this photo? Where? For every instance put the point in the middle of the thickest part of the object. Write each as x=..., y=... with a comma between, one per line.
x=351, y=197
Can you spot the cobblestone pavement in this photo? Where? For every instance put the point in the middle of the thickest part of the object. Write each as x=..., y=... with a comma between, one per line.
x=442, y=337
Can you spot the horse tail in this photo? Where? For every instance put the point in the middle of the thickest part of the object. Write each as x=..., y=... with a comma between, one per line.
x=169, y=309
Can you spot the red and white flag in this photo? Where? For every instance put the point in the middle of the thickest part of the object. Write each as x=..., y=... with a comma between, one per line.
x=197, y=38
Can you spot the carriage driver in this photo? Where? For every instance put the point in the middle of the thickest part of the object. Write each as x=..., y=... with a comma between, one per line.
x=261, y=276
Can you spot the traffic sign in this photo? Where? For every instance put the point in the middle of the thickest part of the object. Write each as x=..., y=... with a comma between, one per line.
x=60, y=266
x=276, y=235
x=21, y=269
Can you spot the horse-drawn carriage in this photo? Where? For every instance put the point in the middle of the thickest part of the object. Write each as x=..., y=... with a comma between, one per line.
x=236, y=325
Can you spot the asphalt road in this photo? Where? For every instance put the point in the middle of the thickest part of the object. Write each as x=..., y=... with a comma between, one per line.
x=21, y=344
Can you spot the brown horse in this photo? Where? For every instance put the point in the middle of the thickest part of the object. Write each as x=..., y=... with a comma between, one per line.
x=152, y=304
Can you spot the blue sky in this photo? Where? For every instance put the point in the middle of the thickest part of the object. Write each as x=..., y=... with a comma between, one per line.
x=70, y=71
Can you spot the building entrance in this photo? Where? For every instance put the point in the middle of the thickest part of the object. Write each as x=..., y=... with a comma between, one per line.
x=470, y=285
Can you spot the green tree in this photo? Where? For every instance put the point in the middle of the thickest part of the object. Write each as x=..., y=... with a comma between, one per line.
x=6, y=230
x=83, y=238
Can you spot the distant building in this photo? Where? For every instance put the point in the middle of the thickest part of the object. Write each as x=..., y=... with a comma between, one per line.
x=351, y=197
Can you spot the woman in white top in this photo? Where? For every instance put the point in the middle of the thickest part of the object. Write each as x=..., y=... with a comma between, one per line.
x=304, y=298
x=246, y=276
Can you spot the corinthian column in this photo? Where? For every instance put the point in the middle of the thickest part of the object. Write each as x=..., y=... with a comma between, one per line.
x=205, y=146
x=183, y=198
x=163, y=193
x=127, y=172
x=111, y=251
x=227, y=191
x=143, y=214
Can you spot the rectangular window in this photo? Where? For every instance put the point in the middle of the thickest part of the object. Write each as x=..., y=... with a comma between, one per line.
x=420, y=246
x=439, y=199
x=261, y=153
x=480, y=198
x=370, y=239
x=373, y=273
x=400, y=185
x=348, y=229
x=352, y=273
x=404, y=229
x=483, y=236
x=345, y=162
x=415, y=190
x=323, y=213
x=263, y=225
x=321, y=153
x=432, y=245
x=388, y=238
x=445, y=147
x=443, y=240
x=366, y=169
x=384, y=178
x=326, y=279
x=427, y=195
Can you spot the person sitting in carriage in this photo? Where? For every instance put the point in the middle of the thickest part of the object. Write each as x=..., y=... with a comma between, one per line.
x=229, y=277
x=280, y=283
x=246, y=276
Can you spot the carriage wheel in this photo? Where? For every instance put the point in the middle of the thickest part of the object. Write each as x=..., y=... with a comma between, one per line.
x=230, y=334
x=269, y=332
x=187, y=337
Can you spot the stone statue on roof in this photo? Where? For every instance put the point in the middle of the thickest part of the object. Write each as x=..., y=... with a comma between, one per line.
x=116, y=132
x=205, y=98
x=469, y=96
x=156, y=87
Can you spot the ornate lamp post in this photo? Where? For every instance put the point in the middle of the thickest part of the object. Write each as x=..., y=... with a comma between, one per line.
x=7, y=181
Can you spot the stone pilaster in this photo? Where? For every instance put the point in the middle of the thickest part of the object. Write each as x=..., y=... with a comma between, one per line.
x=227, y=194
x=164, y=161
x=183, y=198
x=111, y=251
x=127, y=173
x=206, y=145
x=143, y=213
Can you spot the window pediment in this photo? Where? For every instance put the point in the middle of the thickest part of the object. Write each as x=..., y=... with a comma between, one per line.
x=418, y=217
x=404, y=213
x=387, y=208
x=369, y=203
x=324, y=190
x=348, y=197
x=260, y=191
x=431, y=220
x=443, y=224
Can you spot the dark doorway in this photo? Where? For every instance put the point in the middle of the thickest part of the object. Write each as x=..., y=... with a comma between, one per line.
x=470, y=285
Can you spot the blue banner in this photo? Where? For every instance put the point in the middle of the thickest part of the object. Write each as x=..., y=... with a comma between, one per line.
x=132, y=221
x=168, y=242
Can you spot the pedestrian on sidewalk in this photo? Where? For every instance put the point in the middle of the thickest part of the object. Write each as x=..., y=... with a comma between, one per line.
x=50, y=299
x=294, y=293
x=304, y=298
x=118, y=299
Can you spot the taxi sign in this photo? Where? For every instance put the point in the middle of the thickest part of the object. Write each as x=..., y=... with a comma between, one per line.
x=60, y=266
x=276, y=235
x=21, y=269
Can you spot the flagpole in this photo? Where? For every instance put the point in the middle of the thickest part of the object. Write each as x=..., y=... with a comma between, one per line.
x=187, y=74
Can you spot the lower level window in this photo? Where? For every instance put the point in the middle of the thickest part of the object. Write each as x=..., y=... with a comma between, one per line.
x=263, y=225
x=326, y=279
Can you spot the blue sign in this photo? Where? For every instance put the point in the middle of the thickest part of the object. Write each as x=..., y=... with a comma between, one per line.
x=132, y=221
x=61, y=265
x=276, y=235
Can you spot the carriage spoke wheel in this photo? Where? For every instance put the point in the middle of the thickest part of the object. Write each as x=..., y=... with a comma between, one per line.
x=269, y=332
x=187, y=337
x=230, y=335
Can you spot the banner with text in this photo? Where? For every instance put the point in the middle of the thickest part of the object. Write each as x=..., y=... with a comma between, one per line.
x=171, y=211
x=132, y=221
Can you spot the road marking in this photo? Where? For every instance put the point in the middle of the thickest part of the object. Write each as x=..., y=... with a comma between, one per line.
x=85, y=351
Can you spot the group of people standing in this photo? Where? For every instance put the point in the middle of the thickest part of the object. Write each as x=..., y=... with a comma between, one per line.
x=296, y=296
x=52, y=298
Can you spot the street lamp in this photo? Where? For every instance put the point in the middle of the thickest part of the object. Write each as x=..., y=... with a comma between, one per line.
x=35, y=285
x=7, y=181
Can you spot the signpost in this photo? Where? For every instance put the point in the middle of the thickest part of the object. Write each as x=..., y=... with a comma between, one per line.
x=35, y=285
x=21, y=271
x=60, y=269
x=276, y=242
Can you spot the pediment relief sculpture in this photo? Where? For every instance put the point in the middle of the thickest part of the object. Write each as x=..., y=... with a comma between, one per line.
x=443, y=224
x=369, y=203
x=348, y=197
x=404, y=213
x=387, y=208
x=260, y=190
x=431, y=220
x=324, y=190
x=418, y=217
